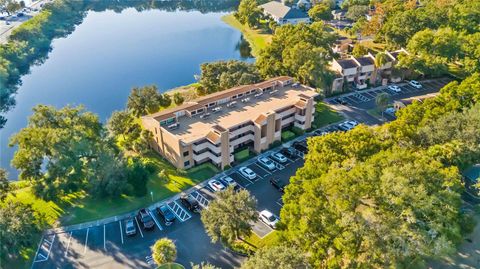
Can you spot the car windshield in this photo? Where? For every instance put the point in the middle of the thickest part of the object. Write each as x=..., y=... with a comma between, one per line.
x=129, y=224
x=271, y=218
x=147, y=218
x=267, y=161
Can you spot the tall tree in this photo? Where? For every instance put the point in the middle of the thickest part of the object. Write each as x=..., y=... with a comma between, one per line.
x=321, y=11
x=221, y=75
x=4, y=185
x=143, y=101
x=19, y=225
x=228, y=218
x=64, y=150
x=164, y=251
x=382, y=100
x=277, y=257
x=249, y=13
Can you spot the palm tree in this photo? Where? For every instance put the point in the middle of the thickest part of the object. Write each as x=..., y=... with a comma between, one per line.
x=382, y=101
x=164, y=251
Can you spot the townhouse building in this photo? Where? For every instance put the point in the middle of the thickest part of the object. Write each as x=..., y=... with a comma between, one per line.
x=213, y=127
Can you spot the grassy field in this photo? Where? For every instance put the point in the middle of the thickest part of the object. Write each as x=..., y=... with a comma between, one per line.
x=287, y=135
x=258, y=39
x=324, y=115
x=242, y=155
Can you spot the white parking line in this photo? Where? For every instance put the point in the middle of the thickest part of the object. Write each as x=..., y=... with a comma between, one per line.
x=201, y=199
x=51, y=244
x=156, y=221
x=263, y=169
x=121, y=230
x=68, y=244
x=139, y=228
x=251, y=182
x=86, y=241
x=104, y=242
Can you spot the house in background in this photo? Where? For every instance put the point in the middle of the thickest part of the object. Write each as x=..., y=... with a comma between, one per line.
x=303, y=4
x=283, y=14
x=339, y=15
x=342, y=45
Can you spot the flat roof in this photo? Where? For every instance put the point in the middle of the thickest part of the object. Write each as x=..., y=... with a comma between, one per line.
x=191, y=129
x=365, y=60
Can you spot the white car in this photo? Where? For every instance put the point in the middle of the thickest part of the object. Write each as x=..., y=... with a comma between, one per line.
x=267, y=163
x=415, y=84
x=216, y=185
x=229, y=181
x=247, y=172
x=268, y=218
x=277, y=156
x=394, y=88
x=352, y=123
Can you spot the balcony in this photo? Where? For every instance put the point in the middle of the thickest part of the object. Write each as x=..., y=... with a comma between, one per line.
x=286, y=112
x=241, y=130
x=208, y=145
x=242, y=139
x=300, y=118
x=208, y=155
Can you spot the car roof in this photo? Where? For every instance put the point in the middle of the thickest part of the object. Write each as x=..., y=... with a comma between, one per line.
x=266, y=213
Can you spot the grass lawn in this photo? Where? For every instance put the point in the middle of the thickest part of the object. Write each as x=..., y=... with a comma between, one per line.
x=269, y=240
x=242, y=155
x=287, y=135
x=325, y=116
x=257, y=39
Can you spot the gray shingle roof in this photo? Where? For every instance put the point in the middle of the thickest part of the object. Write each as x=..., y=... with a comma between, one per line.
x=347, y=63
x=279, y=10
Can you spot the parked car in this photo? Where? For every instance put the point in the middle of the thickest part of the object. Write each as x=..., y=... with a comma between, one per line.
x=267, y=163
x=394, y=88
x=415, y=84
x=352, y=122
x=279, y=157
x=390, y=111
x=278, y=184
x=341, y=101
x=216, y=185
x=289, y=152
x=319, y=133
x=20, y=14
x=268, y=218
x=190, y=203
x=130, y=228
x=146, y=219
x=247, y=172
x=343, y=127
x=166, y=214
x=301, y=146
x=228, y=181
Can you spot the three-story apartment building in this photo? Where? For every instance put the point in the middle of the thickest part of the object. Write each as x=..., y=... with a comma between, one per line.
x=211, y=128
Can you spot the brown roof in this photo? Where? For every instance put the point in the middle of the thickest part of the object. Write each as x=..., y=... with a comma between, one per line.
x=213, y=137
x=260, y=119
x=300, y=104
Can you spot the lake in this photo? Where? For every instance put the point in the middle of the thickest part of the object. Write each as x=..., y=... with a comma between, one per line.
x=109, y=53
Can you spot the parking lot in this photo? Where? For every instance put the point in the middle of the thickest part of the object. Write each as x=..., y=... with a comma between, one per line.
x=108, y=246
x=355, y=104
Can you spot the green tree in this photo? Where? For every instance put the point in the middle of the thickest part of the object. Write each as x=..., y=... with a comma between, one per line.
x=4, y=185
x=381, y=59
x=249, y=13
x=382, y=100
x=228, y=218
x=143, y=101
x=221, y=75
x=359, y=50
x=19, y=226
x=123, y=124
x=277, y=257
x=165, y=100
x=356, y=12
x=321, y=11
x=65, y=150
x=164, y=251
x=10, y=6
x=178, y=98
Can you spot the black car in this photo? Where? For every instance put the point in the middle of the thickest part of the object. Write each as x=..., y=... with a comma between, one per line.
x=301, y=146
x=166, y=214
x=190, y=203
x=146, y=219
x=278, y=184
x=289, y=152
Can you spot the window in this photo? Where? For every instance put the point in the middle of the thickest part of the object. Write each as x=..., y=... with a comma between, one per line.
x=185, y=154
x=187, y=163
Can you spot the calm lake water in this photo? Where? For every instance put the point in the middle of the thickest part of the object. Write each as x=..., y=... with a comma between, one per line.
x=109, y=53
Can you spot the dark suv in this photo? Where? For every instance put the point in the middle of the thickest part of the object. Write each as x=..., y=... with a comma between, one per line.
x=190, y=203
x=166, y=214
x=278, y=184
x=289, y=152
x=146, y=219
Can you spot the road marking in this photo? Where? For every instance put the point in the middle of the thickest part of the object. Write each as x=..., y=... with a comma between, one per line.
x=53, y=240
x=86, y=241
x=181, y=214
x=139, y=228
x=38, y=249
x=259, y=166
x=68, y=244
x=251, y=182
x=104, y=242
x=155, y=220
x=201, y=199
x=121, y=230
